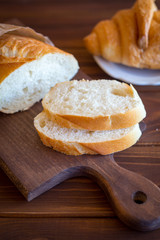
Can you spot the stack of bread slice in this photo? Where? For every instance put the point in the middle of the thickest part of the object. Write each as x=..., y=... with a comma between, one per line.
x=90, y=117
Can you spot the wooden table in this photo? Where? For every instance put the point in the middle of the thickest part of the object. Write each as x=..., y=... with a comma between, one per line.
x=77, y=208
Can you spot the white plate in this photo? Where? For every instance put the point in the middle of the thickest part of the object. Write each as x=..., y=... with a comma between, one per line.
x=129, y=74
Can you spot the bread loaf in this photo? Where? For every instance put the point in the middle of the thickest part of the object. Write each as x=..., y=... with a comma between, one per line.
x=28, y=69
x=94, y=105
x=77, y=142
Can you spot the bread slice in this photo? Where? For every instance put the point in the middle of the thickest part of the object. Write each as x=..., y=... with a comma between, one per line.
x=94, y=105
x=28, y=69
x=77, y=142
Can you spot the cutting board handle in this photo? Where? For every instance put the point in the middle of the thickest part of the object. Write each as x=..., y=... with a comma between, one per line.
x=135, y=199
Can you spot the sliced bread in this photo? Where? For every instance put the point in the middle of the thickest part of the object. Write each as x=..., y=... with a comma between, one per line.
x=94, y=105
x=77, y=142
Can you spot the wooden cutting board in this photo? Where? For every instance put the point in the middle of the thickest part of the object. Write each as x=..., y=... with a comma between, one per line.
x=35, y=168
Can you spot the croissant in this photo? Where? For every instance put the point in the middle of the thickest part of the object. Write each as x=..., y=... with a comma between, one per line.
x=131, y=37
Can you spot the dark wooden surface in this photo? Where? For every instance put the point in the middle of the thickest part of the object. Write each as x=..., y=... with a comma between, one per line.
x=77, y=208
x=34, y=169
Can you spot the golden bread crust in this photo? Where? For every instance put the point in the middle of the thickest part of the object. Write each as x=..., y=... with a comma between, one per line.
x=116, y=121
x=15, y=48
x=103, y=148
x=7, y=68
x=130, y=53
x=117, y=145
x=65, y=147
x=144, y=11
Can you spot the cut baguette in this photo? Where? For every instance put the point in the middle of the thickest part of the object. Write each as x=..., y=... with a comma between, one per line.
x=28, y=69
x=94, y=105
x=77, y=142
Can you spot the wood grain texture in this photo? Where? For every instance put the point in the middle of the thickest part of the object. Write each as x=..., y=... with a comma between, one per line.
x=71, y=228
x=66, y=23
x=34, y=169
